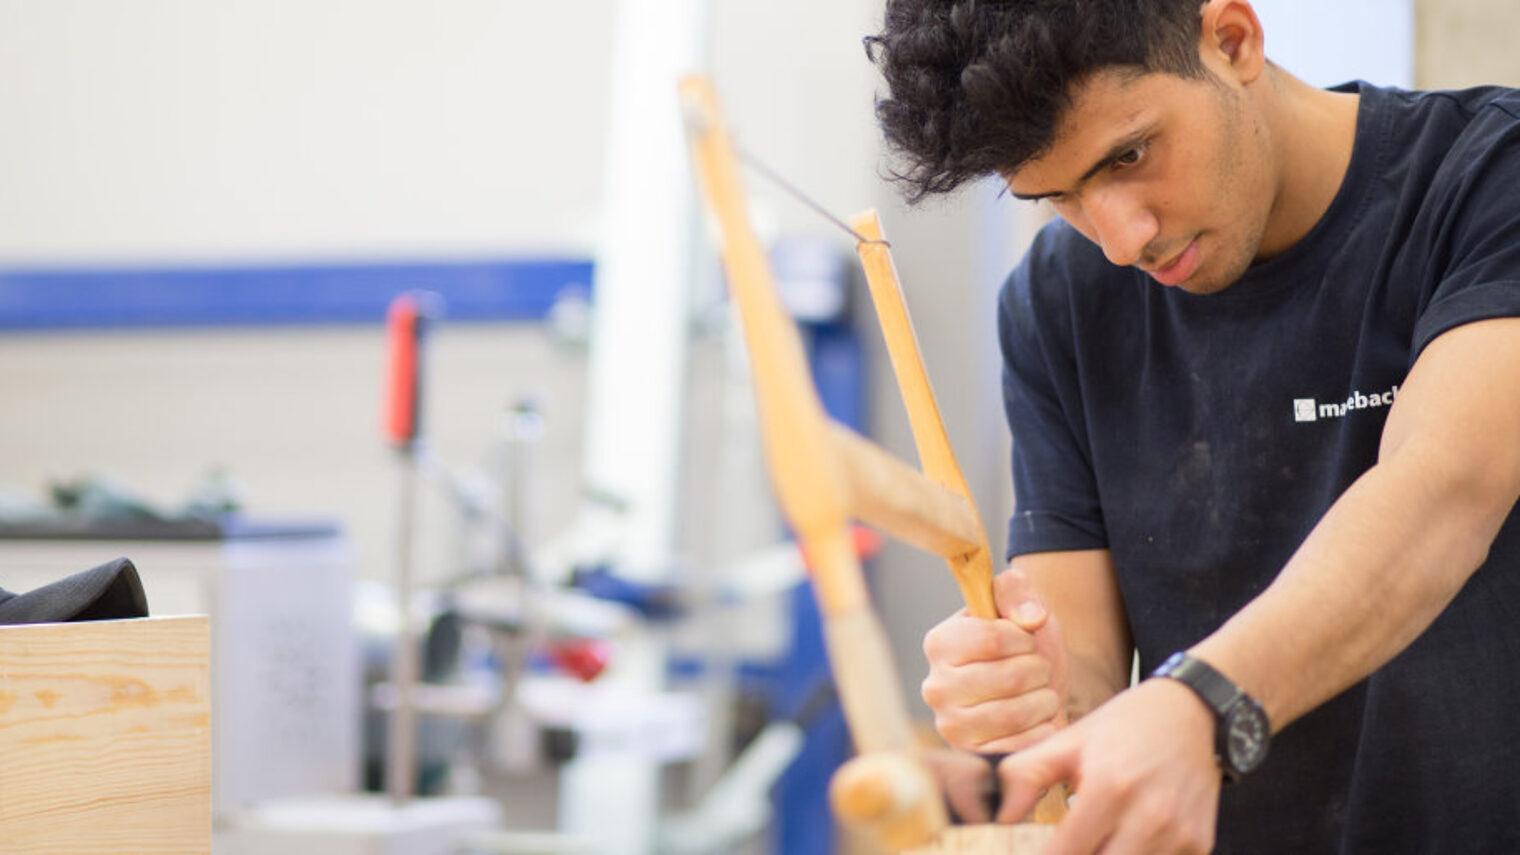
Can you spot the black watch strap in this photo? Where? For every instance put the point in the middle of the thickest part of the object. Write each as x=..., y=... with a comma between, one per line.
x=1215, y=688
x=1241, y=729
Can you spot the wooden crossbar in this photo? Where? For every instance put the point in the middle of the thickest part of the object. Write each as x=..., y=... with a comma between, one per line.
x=892, y=496
x=825, y=476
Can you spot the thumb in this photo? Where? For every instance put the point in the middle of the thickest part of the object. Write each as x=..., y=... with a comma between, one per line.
x=1018, y=601
x=1027, y=775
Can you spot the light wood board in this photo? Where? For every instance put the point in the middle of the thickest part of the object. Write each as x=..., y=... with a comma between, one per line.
x=1023, y=839
x=105, y=737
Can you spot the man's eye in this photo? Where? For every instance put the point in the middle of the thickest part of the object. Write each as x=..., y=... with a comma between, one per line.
x=1130, y=157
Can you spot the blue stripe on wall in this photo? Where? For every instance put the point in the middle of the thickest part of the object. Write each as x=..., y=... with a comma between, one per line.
x=501, y=289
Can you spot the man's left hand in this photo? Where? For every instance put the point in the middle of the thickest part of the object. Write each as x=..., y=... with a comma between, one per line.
x=1143, y=771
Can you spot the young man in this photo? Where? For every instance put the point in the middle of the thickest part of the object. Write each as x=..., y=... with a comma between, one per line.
x=1263, y=377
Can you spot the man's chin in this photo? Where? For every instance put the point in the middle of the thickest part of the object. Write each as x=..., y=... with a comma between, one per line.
x=1204, y=287
x=1205, y=281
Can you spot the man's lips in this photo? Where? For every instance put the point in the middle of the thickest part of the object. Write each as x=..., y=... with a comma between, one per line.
x=1180, y=268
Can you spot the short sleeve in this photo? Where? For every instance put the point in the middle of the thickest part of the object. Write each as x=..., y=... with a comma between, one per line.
x=1478, y=242
x=1056, y=503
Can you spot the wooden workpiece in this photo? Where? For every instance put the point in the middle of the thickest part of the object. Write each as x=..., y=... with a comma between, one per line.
x=825, y=476
x=105, y=737
x=1023, y=839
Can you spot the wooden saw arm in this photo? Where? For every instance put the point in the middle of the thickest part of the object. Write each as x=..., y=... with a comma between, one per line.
x=972, y=568
x=826, y=475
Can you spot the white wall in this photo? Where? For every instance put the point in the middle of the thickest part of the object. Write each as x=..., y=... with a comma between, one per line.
x=161, y=129
x=1329, y=43
x=1466, y=43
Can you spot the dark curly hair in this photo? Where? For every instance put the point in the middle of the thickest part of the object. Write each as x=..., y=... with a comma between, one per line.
x=978, y=86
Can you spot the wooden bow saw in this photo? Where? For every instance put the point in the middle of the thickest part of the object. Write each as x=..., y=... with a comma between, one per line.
x=825, y=476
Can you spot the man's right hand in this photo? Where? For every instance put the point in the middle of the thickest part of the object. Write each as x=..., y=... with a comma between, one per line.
x=997, y=686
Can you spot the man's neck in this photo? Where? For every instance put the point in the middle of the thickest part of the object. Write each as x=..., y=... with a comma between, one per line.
x=1313, y=132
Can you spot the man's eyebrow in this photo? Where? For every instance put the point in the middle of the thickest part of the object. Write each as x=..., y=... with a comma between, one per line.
x=1114, y=152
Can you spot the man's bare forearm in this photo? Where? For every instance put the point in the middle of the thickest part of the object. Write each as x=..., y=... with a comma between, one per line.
x=1378, y=569
x=1398, y=545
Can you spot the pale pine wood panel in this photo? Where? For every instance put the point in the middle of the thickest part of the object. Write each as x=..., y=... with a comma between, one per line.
x=105, y=737
x=1022, y=839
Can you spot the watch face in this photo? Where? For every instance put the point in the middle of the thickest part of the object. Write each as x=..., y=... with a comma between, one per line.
x=1246, y=736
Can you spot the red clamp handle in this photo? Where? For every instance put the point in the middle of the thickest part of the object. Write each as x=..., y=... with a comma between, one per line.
x=407, y=321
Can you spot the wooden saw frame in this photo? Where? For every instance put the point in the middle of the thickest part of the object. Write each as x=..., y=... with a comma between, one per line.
x=826, y=476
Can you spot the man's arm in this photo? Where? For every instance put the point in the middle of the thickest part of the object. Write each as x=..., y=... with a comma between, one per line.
x=1379, y=567
x=1412, y=529
x=1062, y=647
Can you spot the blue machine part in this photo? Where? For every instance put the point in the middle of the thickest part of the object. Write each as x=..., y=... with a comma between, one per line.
x=659, y=602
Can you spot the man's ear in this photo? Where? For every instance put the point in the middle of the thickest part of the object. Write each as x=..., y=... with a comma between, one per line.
x=1230, y=37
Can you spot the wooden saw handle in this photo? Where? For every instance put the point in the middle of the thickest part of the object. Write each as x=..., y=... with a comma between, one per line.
x=973, y=569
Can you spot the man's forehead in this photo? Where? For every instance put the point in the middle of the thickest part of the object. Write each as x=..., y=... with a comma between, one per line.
x=1104, y=112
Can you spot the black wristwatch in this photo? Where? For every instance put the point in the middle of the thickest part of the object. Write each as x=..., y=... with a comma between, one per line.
x=1242, y=731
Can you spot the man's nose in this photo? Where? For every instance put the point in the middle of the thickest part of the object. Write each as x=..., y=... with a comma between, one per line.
x=1122, y=225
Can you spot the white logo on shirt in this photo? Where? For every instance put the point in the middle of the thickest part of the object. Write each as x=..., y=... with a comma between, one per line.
x=1308, y=410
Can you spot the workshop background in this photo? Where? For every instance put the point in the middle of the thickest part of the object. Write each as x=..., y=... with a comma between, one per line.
x=155, y=144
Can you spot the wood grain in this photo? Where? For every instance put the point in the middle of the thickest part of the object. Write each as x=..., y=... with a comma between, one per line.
x=105, y=737
x=894, y=497
x=1022, y=839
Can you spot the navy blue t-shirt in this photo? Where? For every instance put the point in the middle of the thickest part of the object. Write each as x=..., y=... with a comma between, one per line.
x=1199, y=438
